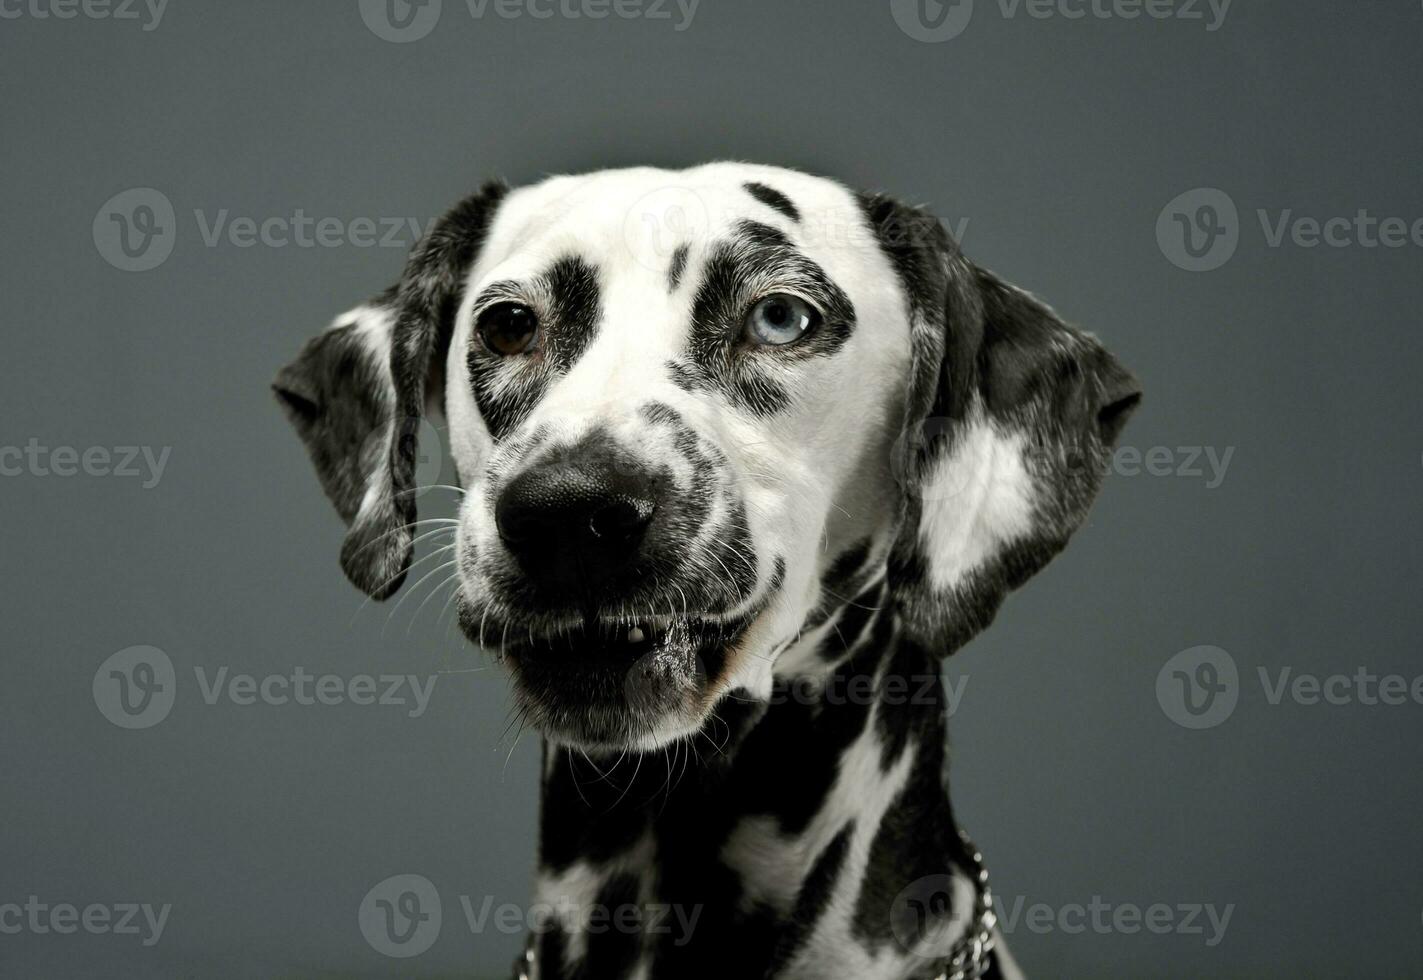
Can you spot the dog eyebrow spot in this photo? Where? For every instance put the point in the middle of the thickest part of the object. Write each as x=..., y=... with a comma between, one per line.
x=679, y=266
x=575, y=302
x=773, y=198
x=760, y=235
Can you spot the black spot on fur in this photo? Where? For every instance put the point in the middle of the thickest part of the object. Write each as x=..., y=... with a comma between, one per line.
x=678, y=268
x=847, y=575
x=778, y=576
x=550, y=947
x=790, y=761
x=916, y=839
x=773, y=198
x=846, y=567
x=683, y=375
x=849, y=622
x=577, y=815
x=660, y=413
x=911, y=697
x=613, y=948
x=573, y=286
x=814, y=897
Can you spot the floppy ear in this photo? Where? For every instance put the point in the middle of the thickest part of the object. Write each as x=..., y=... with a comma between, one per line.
x=1011, y=415
x=356, y=394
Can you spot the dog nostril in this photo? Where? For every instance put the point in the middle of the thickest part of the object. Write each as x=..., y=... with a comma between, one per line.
x=517, y=523
x=511, y=528
x=620, y=519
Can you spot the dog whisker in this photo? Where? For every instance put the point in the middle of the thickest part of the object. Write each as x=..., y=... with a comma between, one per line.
x=426, y=577
x=453, y=581
x=430, y=486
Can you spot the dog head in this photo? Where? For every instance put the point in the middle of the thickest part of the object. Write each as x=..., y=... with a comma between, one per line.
x=694, y=411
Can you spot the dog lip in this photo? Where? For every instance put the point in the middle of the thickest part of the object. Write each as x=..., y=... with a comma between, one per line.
x=614, y=634
x=586, y=685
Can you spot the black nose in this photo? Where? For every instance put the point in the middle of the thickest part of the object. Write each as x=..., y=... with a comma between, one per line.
x=576, y=521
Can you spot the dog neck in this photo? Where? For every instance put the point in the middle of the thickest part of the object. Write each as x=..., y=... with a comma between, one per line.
x=776, y=842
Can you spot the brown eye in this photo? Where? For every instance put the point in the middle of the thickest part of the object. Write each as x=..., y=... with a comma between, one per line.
x=507, y=328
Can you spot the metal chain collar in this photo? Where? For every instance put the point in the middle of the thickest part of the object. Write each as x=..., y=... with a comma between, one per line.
x=969, y=959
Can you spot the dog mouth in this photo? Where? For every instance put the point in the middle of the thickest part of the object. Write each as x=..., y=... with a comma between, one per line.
x=604, y=641
x=612, y=683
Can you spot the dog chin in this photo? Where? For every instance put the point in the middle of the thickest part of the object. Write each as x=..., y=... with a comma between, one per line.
x=610, y=685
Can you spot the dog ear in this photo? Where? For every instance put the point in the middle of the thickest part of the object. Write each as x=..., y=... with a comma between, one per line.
x=356, y=394
x=1010, y=417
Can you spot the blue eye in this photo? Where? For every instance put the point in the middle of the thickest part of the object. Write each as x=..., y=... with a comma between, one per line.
x=780, y=319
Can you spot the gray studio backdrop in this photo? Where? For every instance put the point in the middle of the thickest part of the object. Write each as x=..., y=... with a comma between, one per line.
x=1189, y=748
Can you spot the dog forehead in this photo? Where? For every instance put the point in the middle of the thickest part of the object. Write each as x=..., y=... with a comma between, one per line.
x=636, y=221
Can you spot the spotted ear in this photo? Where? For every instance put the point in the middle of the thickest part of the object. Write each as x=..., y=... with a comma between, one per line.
x=357, y=392
x=1011, y=415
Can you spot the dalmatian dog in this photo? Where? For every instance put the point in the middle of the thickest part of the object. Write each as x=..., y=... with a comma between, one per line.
x=744, y=456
